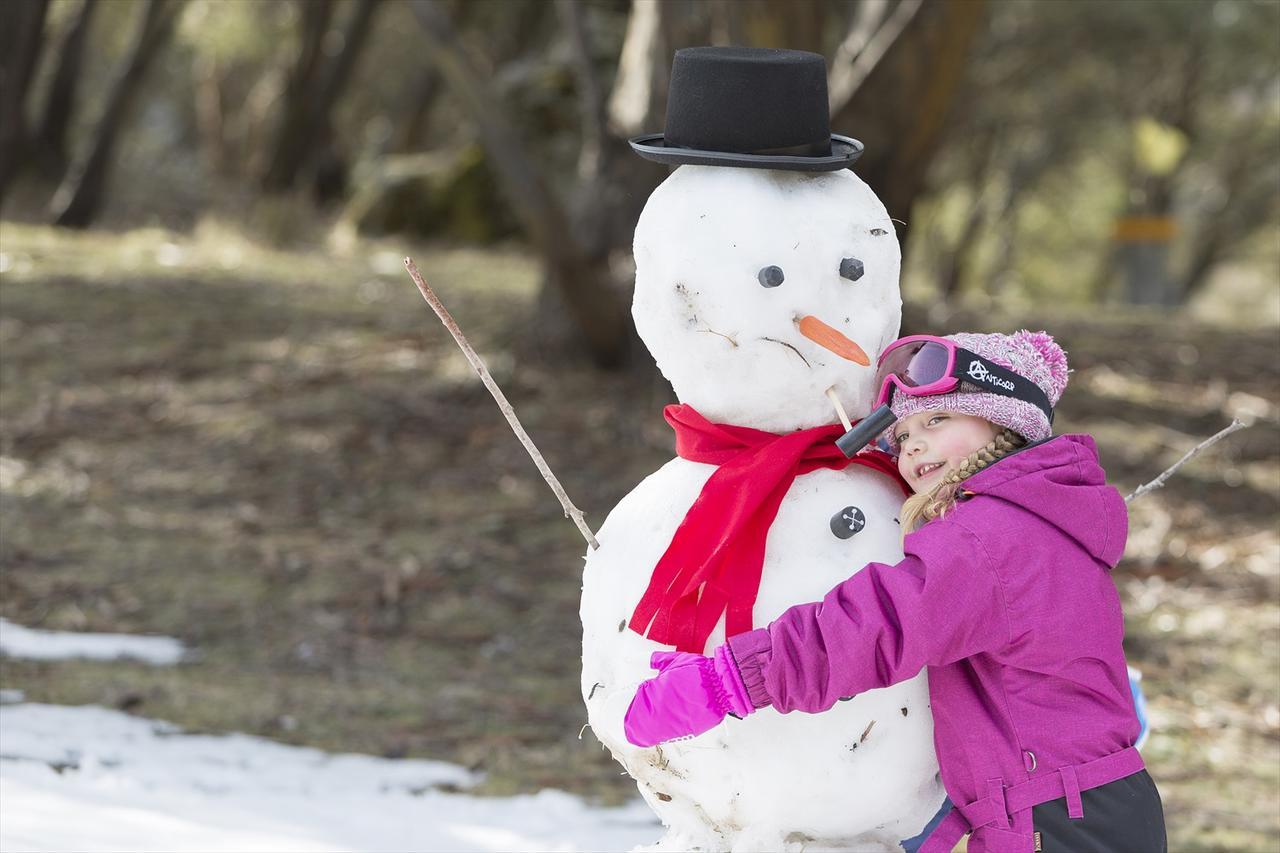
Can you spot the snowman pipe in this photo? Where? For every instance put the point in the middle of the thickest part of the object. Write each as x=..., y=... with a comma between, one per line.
x=854, y=439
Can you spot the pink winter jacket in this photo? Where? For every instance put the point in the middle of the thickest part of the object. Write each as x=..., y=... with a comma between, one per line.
x=1008, y=600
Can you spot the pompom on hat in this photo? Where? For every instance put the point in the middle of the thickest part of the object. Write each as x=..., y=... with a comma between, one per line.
x=1033, y=355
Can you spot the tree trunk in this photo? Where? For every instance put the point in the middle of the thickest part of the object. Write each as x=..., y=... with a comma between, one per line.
x=924, y=68
x=423, y=95
x=211, y=117
x=411, y=131
x=726, y=23
x=1240, y=211
x=959, y=261
x=644, y=68
x=307, y=127
x=80, y=197
x=313, y=22
x=1204, y=257
x=60, y=103
x=590, y=100
x=21, y=38
x=872, y=31
x=597, y=312
x=329, y=162
x=1030, y=162
x=794, y=24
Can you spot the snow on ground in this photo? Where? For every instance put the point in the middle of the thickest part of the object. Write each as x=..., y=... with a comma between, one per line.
x=17, y=641
x=92, y=779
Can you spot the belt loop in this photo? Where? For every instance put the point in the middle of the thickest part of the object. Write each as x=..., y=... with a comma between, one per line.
x=945, y=835
x=995, y=793
x=1070, y=784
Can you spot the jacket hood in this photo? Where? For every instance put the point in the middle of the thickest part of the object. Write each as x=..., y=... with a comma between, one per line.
x=1061, y=481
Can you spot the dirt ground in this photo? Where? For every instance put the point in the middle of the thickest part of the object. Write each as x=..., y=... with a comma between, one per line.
x=282, y=459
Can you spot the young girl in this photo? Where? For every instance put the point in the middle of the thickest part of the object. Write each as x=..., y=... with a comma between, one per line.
x=1004, y=594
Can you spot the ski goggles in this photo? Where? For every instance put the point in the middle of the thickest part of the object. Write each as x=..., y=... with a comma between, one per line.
x=924, y=365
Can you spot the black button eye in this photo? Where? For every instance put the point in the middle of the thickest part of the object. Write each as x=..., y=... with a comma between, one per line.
x=851, y=268
x=770, y=276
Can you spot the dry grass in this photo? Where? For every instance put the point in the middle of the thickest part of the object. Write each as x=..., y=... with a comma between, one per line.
x=280, y=458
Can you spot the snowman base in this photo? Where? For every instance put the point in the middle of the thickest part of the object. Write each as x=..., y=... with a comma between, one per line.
x=746, y=842
x=860, y=776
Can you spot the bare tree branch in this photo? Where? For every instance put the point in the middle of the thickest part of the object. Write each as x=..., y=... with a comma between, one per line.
x=867, y=18
x=1160, y=481
x=869, y=38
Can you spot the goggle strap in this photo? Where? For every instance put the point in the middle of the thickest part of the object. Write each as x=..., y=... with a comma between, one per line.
x=989, y=376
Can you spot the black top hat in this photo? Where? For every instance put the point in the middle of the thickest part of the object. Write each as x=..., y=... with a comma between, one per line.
x=753, y=107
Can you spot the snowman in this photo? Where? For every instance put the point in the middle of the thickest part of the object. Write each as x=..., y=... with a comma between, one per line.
x=766, y=285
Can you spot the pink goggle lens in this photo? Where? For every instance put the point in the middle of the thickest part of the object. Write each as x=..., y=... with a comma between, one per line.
x=914, y=365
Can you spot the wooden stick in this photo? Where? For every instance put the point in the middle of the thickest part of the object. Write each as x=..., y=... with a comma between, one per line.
x=835, y=401
x=1160, y=481
x=570, y=511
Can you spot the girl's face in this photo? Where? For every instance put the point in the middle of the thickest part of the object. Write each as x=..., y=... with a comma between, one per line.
x=935, y=442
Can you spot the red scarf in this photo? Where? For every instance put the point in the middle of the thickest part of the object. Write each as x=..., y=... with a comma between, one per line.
x=713, y=563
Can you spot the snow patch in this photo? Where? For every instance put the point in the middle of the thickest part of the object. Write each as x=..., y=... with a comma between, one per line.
x=92, y=779
x=17, y=641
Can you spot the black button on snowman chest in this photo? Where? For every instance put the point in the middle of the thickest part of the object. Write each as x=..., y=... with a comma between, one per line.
x=847, y=522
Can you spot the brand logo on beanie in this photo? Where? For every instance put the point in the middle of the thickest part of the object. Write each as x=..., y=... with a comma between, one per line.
x=979, y=372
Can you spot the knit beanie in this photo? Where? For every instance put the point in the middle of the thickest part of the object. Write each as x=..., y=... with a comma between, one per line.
x=1032, y=355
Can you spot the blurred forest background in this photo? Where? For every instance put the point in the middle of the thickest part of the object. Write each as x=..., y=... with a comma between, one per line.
x=226, y=416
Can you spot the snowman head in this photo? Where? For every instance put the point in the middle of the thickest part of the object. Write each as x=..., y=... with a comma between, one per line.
x=757, y=290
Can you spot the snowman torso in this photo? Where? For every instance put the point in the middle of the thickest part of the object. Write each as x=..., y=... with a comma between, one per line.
x=860, y=774
x=735, y=269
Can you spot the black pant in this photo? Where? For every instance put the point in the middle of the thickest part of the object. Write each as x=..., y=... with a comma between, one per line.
x=1124, y=816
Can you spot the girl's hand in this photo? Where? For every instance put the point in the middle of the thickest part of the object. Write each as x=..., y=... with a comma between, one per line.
x=690, y=695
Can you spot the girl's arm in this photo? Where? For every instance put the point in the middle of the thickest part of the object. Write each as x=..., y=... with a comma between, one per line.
x=942, y=603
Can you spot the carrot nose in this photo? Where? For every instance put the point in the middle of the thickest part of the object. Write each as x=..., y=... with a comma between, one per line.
x=825, y=336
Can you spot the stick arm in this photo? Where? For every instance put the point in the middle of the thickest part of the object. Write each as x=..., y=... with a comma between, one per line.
x=1236, y=424
x=570, y=511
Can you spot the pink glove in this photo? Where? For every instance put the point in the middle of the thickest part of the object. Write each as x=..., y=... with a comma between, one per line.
x=690, y=695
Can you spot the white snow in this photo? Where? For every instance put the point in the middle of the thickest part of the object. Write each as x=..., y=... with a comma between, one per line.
x=17, y=641
x=91, y=779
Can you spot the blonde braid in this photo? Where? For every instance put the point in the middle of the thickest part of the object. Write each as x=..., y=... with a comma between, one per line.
x=938, y=501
